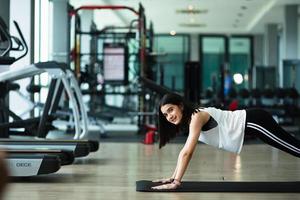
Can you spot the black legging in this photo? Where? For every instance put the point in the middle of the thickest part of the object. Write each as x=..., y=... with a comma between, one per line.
x=261, y=123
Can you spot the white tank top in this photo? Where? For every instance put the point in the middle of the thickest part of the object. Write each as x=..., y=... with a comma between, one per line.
x=229, y=133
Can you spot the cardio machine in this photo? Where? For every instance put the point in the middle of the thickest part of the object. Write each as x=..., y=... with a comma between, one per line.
x=34, y=157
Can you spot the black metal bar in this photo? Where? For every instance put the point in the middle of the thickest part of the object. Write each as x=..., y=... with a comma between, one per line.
x=57, y=98
x=41, y=132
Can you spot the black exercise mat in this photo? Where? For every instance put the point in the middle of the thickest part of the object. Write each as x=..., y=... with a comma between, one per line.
x=224, y=186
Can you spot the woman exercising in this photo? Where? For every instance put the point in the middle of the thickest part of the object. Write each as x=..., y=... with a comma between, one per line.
x=219, y=128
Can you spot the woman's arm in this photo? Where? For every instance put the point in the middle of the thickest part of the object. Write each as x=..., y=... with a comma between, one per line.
x=175, y=172
x=197, y=121
x=185, y=155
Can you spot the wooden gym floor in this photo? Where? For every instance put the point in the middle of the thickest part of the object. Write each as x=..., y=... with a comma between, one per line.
x=111, y=173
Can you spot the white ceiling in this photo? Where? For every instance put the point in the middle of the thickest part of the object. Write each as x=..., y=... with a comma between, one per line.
x=222, y=16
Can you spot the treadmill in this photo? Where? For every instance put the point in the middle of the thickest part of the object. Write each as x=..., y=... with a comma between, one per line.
x=24, y=164
x=65, y=157
x=36, y=157
x=61, y=78
x=79, y=148
x=21, y=163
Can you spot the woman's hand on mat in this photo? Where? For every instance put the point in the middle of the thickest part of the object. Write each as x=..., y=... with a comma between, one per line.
x=164, y=180
x=168, y=186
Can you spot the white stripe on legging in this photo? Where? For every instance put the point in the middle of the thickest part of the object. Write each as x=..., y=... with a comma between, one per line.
x=272, y=136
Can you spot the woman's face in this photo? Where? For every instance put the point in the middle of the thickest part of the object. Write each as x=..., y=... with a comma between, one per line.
x=173, y=113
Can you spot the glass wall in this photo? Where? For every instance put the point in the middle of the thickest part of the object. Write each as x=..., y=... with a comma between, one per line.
x=171, y=54
x=212, y=55
x=225, y=65
x=240, y=61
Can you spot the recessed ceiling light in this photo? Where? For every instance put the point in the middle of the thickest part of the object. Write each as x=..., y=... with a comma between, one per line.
x=191, y=11
x=190, y=7
x=172, y=32
x=192, y=25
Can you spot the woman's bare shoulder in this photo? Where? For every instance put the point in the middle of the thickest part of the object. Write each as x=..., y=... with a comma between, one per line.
x=200, y=117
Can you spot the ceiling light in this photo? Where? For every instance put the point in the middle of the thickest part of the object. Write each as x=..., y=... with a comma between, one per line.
x=191, y=11
x=238, y=78
x=190, y=7
x=192, y=25
x=172, y=32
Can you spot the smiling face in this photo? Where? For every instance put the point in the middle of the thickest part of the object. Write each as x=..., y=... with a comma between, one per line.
x=173, y=113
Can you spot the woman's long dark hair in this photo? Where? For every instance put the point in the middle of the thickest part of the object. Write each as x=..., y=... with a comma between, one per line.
x=167, y=130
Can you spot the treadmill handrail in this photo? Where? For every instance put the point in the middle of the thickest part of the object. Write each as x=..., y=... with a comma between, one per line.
x=20, y=72
x=83, y=111
x=75, y=108
x=59, y=72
